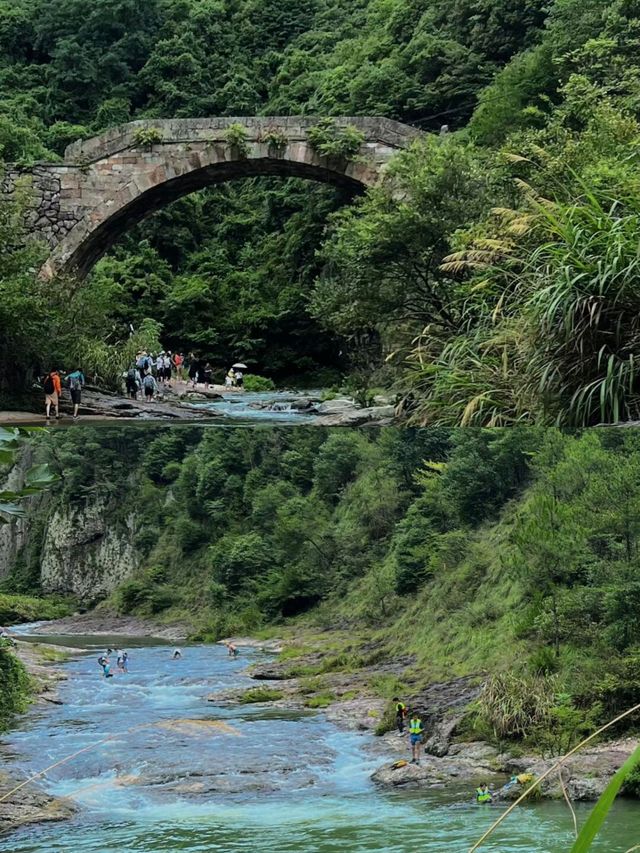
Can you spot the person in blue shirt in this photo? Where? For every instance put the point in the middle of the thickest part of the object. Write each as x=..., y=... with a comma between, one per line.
x=76, y=383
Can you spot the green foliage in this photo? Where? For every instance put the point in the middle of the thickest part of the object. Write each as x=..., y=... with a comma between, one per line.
x=274, y=138
x=36, y=479
x=532, y=318
x=514, y=706
x=15, y=687
x=332, y=140
x=237, y=139
x=258, y=383
x=15, y=609
x=259, y=694
x=320, y=700
x=147, y=137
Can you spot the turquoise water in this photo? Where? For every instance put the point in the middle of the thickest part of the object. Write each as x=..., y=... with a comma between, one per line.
x=270, y=780
x=238, y=407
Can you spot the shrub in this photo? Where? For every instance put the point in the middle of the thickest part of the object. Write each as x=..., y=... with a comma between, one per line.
x=146, y=137
x=274, y=138
x=22, y=608
x=332, y=140
x=236, y=136
x=15, y=687
x=513, y=706
x=256, y=384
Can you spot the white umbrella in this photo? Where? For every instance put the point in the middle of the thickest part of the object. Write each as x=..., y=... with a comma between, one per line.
x=239, y=366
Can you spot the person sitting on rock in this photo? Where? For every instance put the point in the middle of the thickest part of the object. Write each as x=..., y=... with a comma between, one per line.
x=416, y=731
x=401, y=713
x=483, y=794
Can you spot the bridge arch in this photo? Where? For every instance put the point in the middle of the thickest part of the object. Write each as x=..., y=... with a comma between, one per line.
x=105, y=185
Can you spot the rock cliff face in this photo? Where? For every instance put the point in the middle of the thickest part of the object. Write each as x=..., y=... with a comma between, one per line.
x=86, y=554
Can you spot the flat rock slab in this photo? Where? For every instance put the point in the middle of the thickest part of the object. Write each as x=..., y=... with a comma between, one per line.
x=472, y=763
x=586, y=774
x=30, y=805
x=110, y=625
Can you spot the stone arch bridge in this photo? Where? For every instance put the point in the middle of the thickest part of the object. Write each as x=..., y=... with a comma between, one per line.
x=104, y=185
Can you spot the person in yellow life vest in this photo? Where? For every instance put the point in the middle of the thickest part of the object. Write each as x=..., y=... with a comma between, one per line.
x=483, y=794
x=416, y=730
x=401, y=713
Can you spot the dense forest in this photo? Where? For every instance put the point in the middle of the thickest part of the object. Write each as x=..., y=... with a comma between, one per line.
x=503, y=288
x=508, y=551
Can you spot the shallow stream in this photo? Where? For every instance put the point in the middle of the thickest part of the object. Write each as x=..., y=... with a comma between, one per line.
x=199, y=777
x=261, y=407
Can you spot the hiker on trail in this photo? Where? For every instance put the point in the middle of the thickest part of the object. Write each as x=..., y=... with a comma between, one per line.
x=141, y=364
x=150, y=387
x=76, y=383
x=207, y=372
x=168, y=364
x=239, y=378
x=132, y=382
x=401, y=713
x=52, y=390
x=193, y=369
x=230, y=379
x=483, y=794
x=176, y=654
x=416, y=730
x=177, y=364
x=160, y=367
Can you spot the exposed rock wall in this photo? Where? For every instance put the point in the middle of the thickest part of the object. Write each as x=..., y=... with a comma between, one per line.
x=85, y=553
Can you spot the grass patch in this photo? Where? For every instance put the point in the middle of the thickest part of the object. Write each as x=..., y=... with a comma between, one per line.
x=16, y=687
x=260, y=694
x=15, y=609
x=49, y=654
x=320, y=700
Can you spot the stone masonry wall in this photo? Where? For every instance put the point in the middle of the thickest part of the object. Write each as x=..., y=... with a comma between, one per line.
x=81, y=206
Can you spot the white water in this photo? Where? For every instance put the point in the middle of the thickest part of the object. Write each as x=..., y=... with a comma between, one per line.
x=280, y=781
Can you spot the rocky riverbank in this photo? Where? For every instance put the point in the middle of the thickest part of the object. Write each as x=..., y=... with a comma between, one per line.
x=349, y=700
x=31, y=804
x=97, y=623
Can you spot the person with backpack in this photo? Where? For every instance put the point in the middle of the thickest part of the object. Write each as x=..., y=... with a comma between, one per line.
x=52, y=390
x=150, y=387
x=132, y=382
x=76, y=383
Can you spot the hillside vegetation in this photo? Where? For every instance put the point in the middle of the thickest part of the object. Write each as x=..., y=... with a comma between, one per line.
x=503, y=289
x=512, y=552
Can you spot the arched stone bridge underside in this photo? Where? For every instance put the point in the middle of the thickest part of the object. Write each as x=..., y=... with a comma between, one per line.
x=81, y=206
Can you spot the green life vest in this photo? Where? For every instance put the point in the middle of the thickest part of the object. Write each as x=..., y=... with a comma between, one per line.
x=415, y=727
x=483, y=795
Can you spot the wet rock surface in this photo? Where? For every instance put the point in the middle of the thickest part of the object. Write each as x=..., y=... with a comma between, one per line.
x=29, y=805
x=586, y=774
